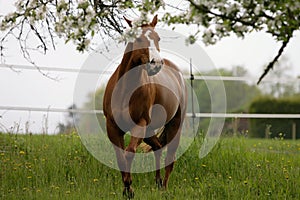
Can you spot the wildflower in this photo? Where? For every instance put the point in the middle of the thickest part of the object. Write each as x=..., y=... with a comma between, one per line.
x=22, y=152
x=203, y=165
x=258, y=165
x=196, y=178
x=95, y=180
x=229, y=177
x=245, y=182
x=29, y=177
x=68, y=192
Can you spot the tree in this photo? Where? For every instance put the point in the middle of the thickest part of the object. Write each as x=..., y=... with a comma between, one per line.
x=285, y=85
x=82, y=20
x=72, y=119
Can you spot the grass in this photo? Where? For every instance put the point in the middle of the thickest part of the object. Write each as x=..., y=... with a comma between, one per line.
x=59, y=167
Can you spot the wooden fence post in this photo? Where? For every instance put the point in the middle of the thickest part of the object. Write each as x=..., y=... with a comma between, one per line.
x=294, y=131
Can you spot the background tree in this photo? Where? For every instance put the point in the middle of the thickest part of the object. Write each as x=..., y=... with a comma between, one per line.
x=81, y=21
x=286, y=84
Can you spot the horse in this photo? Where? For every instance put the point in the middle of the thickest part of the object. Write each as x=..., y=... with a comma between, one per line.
x=145, y=93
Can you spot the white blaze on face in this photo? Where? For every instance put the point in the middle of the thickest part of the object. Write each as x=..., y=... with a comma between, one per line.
x=153, y=52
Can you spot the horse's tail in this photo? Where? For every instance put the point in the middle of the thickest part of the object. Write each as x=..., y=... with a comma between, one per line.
x=161, y=137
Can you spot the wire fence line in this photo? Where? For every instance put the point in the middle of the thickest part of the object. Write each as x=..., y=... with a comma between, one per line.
x=195, y=77
x=186, y=76
x=196, y=115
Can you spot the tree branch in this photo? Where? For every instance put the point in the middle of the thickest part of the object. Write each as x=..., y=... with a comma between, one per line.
x=272, y=63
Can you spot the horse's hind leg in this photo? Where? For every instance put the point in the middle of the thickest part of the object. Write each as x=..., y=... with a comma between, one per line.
x=153, y=141
x=172, y=137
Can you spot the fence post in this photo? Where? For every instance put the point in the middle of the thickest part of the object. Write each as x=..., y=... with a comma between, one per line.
x=294, y=131
x=267, y=131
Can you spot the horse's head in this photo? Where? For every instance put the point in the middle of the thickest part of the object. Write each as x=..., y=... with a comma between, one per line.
x=146, y=50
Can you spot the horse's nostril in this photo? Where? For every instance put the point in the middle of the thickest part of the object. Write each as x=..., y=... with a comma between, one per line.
x=152, y=61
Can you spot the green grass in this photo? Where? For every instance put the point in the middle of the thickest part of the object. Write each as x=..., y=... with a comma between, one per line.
x=59, y=167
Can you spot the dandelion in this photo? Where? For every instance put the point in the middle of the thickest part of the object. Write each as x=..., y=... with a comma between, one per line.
x=22, y=152
x=258, y=165
x=68, y=192
x=229, y=177
x=95, y=180
x=29, y=177
x=2, y=154
x=203, y=165
x=245, y=182
x=196, y=178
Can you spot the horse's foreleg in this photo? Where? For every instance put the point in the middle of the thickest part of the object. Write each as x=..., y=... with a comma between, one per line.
x=116, y=136
x=137, y=135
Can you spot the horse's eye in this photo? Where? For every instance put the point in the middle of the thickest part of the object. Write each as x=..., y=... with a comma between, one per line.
x=158, y=38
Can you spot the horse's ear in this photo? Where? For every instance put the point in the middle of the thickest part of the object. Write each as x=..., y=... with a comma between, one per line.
x=129, y=22
x=154, y=21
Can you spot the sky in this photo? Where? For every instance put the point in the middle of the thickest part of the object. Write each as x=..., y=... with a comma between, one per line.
x=28, y=88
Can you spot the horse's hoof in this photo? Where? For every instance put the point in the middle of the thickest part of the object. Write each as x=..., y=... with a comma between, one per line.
x=128, y=193
x=159, y=183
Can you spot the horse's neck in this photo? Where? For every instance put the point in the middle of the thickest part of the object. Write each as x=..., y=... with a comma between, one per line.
x=128, y=73
x=126, y=60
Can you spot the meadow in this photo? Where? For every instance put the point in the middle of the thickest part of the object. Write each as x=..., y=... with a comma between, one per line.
x=59, y=167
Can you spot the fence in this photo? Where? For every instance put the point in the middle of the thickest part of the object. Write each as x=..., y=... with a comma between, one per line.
x=196, y=115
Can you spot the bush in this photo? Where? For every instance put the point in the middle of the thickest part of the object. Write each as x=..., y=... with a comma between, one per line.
x=278, y=127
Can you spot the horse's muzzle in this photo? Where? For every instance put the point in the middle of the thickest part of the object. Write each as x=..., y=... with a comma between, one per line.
x=153, y=68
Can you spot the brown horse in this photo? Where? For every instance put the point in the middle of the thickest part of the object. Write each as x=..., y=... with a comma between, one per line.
x=146, y=93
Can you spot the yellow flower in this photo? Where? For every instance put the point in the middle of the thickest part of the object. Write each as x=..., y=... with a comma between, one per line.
x=22, y=152
x=95, y=180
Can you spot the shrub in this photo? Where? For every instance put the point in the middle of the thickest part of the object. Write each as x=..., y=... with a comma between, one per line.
x=269, y=105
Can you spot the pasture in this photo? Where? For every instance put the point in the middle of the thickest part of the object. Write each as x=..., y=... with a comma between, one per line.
x=59, y=167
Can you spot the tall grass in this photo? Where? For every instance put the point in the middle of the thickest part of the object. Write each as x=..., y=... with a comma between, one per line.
x=59, y=167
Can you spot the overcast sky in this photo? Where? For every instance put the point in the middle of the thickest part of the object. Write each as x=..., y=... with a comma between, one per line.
x=31, y=89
